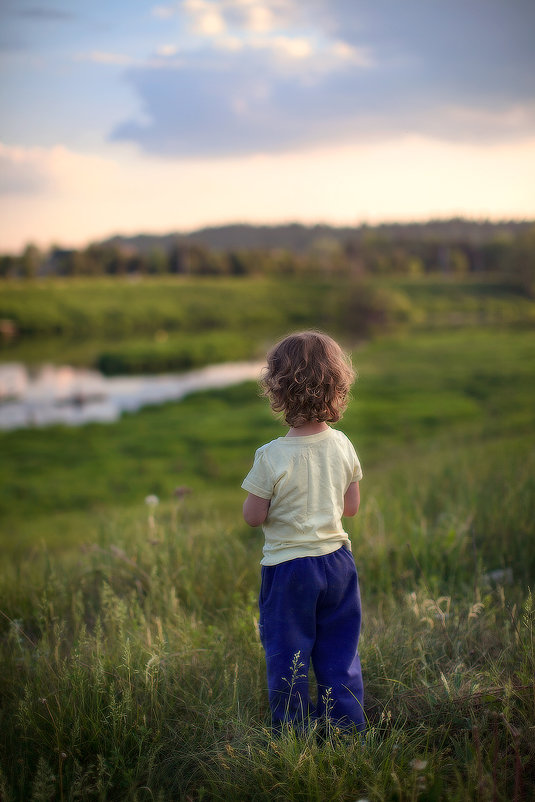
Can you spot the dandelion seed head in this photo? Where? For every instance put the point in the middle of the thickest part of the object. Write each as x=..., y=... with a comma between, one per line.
x=152, y=500
x=418, y=765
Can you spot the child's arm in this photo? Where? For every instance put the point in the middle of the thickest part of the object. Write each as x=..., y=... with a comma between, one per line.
x=352, y=500
x=255, y=509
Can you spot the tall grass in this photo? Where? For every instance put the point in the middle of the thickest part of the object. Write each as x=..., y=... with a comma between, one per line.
x=131, y=663
x=134, y=670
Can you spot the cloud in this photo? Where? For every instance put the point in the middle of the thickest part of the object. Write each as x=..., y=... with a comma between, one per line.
x=102, y=57
x=213, y=17
x=245, y=104
x=264, y=78
x=206, y=17
x=407, y=178
x=46, y=14
x=21, y=172
x=163, y=57
x=236, y=107
x=260, y=19
x=166, y=50
x=51, y=171
x=164, y=12
x=13, y=45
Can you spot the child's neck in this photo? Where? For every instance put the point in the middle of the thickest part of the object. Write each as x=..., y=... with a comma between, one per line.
x=311, y=427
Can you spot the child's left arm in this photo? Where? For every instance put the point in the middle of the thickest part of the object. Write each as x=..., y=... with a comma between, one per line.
x=352, y=500
x=255, y=509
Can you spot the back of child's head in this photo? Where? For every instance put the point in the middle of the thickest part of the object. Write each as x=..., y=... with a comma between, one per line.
x=308, y=378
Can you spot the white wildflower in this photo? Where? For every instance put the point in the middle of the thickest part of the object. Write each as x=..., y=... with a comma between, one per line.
x=418, y=765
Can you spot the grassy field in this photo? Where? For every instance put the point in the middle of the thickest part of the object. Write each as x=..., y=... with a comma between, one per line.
x=132, y=668
x=153, y=325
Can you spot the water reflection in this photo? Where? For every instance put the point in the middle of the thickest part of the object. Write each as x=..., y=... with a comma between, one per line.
x=73, y=396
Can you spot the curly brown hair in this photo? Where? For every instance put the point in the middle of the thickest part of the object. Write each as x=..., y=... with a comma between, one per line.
x=308, y=378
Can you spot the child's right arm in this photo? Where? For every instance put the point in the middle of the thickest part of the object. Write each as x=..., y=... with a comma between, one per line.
x=351, y=500
x=255, y=509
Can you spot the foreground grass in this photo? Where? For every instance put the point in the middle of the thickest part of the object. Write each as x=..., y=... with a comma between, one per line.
x=134, y=671
x=132, y=668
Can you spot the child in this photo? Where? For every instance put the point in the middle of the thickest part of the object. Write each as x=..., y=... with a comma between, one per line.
x=299, y=487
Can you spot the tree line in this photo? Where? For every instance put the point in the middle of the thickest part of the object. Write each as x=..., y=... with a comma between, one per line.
x=457, y=248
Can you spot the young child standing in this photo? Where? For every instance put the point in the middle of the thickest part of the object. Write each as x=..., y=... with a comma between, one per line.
x=299, y=488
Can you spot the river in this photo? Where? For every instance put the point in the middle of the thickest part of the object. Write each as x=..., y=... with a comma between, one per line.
x=54, y=394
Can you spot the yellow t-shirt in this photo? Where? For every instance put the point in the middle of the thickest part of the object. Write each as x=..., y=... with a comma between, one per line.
x=306, y=479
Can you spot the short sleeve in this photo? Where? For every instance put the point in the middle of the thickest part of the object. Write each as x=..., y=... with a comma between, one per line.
x=259, y=480
x=357, y=471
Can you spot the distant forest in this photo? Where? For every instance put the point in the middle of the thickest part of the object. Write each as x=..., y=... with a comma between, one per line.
x=454, y=246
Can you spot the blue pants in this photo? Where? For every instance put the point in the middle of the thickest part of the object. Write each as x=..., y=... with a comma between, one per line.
x=310, y=610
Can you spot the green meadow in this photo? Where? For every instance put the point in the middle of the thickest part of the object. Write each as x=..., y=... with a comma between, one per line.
x=153, y=325
x=132, y=667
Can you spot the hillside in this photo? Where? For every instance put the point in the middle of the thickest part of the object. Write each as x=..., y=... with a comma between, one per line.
x=300, y=238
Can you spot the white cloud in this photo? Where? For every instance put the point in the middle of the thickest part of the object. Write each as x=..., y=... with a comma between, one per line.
x=195, y=6
x=210, y=23
x=206, y=17
x=56, y=170
x=165, y=12
x=297, y=47
x=360, y=56
x=270, y=25
x=260, y=18
x=230, y=43
x=167, y=50
x=101, y=57
x=248, y=17
x=20, y=171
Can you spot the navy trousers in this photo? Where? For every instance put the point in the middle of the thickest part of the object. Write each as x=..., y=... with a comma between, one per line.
x=310, y=610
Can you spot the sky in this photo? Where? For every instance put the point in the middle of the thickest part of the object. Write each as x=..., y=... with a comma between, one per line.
x=132, y=116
